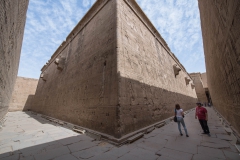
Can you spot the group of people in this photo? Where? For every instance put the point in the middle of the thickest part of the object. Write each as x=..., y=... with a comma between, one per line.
x=200, y=114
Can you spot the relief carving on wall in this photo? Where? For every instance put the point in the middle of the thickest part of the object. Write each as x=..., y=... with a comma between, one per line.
x=193, y=86
x=176, y=69
x=60, y=62
x=44, y=76
x=187, y=80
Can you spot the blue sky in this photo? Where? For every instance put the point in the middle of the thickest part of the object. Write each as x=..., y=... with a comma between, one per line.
x=50, y=21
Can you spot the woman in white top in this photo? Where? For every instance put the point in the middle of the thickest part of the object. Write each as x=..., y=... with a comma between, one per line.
x=179, y=114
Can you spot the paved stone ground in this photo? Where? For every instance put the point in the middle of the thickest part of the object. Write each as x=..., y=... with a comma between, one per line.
x=28, y=136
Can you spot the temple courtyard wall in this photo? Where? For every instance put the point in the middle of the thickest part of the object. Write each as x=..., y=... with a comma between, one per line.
x=220, y=22
x=199, y=80
x=114, y=74
x=12, y=23
x=24, y=90
x=82, y=88
x=148, y=85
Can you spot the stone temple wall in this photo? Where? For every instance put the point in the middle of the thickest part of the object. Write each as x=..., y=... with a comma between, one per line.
x=220, y=21
x=148, y=88
x=12, y=23
x=200, y=88
x=24, y=88
x=204, y=80
x=81, y=87
x=114, y=74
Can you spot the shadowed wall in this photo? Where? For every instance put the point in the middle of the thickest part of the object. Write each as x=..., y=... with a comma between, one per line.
x=200, y=87
x=220, y=21
x=148, y=87
x=22, y=89
x=12, y=23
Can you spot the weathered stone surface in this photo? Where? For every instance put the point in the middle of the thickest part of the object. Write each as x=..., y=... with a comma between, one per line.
x=221, y=39
x=24, y=90
x=148, y=87
x=173, y=154
x=36, y=142
x=117, y=76
x=200, y=85
x=211, y=152
x=12, y=22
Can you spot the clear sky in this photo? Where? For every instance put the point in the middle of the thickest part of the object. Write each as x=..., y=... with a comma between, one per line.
x=50, y=21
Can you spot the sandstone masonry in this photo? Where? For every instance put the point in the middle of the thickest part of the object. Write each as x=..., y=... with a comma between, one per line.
x=12, y=22
x=220, y=21
x=114, y=73
x=23, y=92
x=200, y=82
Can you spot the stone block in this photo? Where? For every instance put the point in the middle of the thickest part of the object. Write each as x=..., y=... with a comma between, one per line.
x=149, y=130
x=23, y=94
x=173, y=154
x=50, y=154
x=211, y=152
x=135, y=137
x=159, y=125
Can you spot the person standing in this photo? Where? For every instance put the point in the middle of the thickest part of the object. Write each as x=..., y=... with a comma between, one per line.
x=202, y=115
x=179, y=114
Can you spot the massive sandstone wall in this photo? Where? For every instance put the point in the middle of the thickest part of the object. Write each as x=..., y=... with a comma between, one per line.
x=24, y=88
x=148, y=87
x=200, y=87
x=220, y=21
x=12, y=22
x=84, y=91
x=113, y=75
x=204, y=80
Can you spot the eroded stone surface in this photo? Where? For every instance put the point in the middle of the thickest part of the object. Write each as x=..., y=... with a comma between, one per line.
x=12, y=22
x=24, y=90
x=221, y=31
x=199, y=80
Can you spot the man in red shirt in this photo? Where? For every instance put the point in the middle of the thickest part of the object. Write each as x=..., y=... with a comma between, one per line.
x=201, y=114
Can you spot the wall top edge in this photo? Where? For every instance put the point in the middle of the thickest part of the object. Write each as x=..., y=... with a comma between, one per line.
x=143, y=16
x=26, y=78
x=80, y=25
x=92, y=12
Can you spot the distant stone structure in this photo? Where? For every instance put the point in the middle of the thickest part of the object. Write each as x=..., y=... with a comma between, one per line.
x=220, y=21
x=12, y=22
x=23, y=92
x=114, y=73
x=200, y=82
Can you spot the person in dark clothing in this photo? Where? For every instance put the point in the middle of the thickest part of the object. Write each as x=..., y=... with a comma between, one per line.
x=202, y=115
